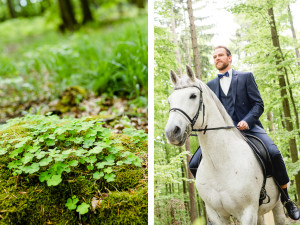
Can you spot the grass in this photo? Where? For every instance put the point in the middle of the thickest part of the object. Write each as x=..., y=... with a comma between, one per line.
x=39, y=62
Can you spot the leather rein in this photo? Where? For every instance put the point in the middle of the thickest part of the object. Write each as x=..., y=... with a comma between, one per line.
x=193, y=121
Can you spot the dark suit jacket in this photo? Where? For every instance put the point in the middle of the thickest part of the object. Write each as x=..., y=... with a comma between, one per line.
x=248, y=103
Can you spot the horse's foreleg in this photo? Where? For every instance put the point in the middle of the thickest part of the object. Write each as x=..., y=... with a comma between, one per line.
x=278, y=214
x=216, y=218
x=249, y=217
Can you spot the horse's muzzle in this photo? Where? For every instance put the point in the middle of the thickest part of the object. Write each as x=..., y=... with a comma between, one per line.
x=176, y=135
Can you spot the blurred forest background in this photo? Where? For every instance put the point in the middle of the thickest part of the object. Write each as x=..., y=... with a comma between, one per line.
x=73, y=111
x=61, y=56
x=267, y=44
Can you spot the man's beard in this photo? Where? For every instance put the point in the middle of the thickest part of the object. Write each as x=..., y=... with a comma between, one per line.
x=222, y=65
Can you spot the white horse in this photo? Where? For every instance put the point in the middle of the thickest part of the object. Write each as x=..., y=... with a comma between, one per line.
x=229, y=178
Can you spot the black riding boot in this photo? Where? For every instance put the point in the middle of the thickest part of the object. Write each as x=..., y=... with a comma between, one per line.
x=280, y=175
x=290, y=206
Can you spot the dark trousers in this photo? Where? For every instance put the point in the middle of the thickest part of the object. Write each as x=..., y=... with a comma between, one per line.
x=279, y=169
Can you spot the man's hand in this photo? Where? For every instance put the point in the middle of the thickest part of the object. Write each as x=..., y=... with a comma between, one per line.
x=242, y=125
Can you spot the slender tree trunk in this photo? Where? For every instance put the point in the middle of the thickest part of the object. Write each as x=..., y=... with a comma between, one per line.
x=191, y=186
x=178, y=58
x=67, y=15
x=293, y=32
x=187, y=46
x=283, y=92
x=183, y=175
x=292, y=99
x=139, y=3
x=11, y=9
x=87, y=14
x=199, y=204
x=194, y=41
x=270, y=123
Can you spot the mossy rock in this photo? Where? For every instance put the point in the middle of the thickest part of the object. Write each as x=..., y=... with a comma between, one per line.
x=24, y=199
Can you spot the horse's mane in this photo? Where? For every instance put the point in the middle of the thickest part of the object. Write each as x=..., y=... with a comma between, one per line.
x=228, y=120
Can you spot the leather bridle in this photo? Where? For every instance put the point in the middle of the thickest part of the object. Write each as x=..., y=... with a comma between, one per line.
x=201, y=105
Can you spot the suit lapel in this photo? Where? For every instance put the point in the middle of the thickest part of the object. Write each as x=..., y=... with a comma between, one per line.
x=234, y=84
x=217, y=87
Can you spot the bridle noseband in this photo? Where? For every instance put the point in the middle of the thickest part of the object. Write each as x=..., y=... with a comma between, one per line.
x=201, y=105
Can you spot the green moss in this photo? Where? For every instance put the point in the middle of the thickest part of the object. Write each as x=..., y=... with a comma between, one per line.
x=127, y=178
x=26, y=200
x=124, y=208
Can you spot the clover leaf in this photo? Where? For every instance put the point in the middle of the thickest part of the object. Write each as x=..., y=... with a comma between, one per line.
x=83, y=208
x=97, y=175
x=54, y=180
x=71, y=203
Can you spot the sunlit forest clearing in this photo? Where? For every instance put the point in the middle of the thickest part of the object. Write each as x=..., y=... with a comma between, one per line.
x=73, y=112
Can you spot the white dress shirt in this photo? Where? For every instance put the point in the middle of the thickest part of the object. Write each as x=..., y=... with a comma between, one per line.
x=225, y=82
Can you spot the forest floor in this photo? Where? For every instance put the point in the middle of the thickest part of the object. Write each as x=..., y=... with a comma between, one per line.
x=117, y=113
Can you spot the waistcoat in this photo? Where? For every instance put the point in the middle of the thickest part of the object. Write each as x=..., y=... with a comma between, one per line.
x=227, y=101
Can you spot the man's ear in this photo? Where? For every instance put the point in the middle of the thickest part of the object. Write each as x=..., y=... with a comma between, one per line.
x=190, y=73
x=173, y=77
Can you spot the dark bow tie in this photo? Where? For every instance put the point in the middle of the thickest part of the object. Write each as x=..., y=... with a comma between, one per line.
x=222, y=75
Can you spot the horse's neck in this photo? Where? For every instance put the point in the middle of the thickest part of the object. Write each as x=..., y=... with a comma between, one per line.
x=218, y=145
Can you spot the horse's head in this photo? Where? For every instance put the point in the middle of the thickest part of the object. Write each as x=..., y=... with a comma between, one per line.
x=186, y=104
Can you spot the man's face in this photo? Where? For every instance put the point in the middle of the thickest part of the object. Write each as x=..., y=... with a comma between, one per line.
x=221, y=59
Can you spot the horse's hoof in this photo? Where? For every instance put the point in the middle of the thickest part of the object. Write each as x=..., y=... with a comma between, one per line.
x=292, y=210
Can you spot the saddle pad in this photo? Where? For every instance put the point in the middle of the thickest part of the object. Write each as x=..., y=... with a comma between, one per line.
x=261, y=151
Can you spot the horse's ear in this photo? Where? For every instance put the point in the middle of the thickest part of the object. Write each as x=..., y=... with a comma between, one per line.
x=190, y=73
x=173, y=77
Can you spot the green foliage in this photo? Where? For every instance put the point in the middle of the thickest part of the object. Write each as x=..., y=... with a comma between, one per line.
x=36, y=153
x=42, y=151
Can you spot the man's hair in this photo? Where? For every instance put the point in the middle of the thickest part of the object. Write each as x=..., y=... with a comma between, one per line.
x=228, y=52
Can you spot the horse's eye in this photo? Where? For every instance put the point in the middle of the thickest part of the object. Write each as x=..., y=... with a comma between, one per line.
x=193, y=96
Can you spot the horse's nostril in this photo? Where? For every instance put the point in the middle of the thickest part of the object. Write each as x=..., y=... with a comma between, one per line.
x=177, y=130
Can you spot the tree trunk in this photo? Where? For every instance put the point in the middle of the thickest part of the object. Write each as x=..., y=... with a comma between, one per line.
x=199, y=204
x=292, y=99
x=187, y=46
x=194, y=41
x=87, y=14
x=178, y=58
x=283, y=92
x=183, y=172
x=270, y=123
x=11, y=9
x=191, y=186
x=67, y=15
x=141, y=3
x=293, y=32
